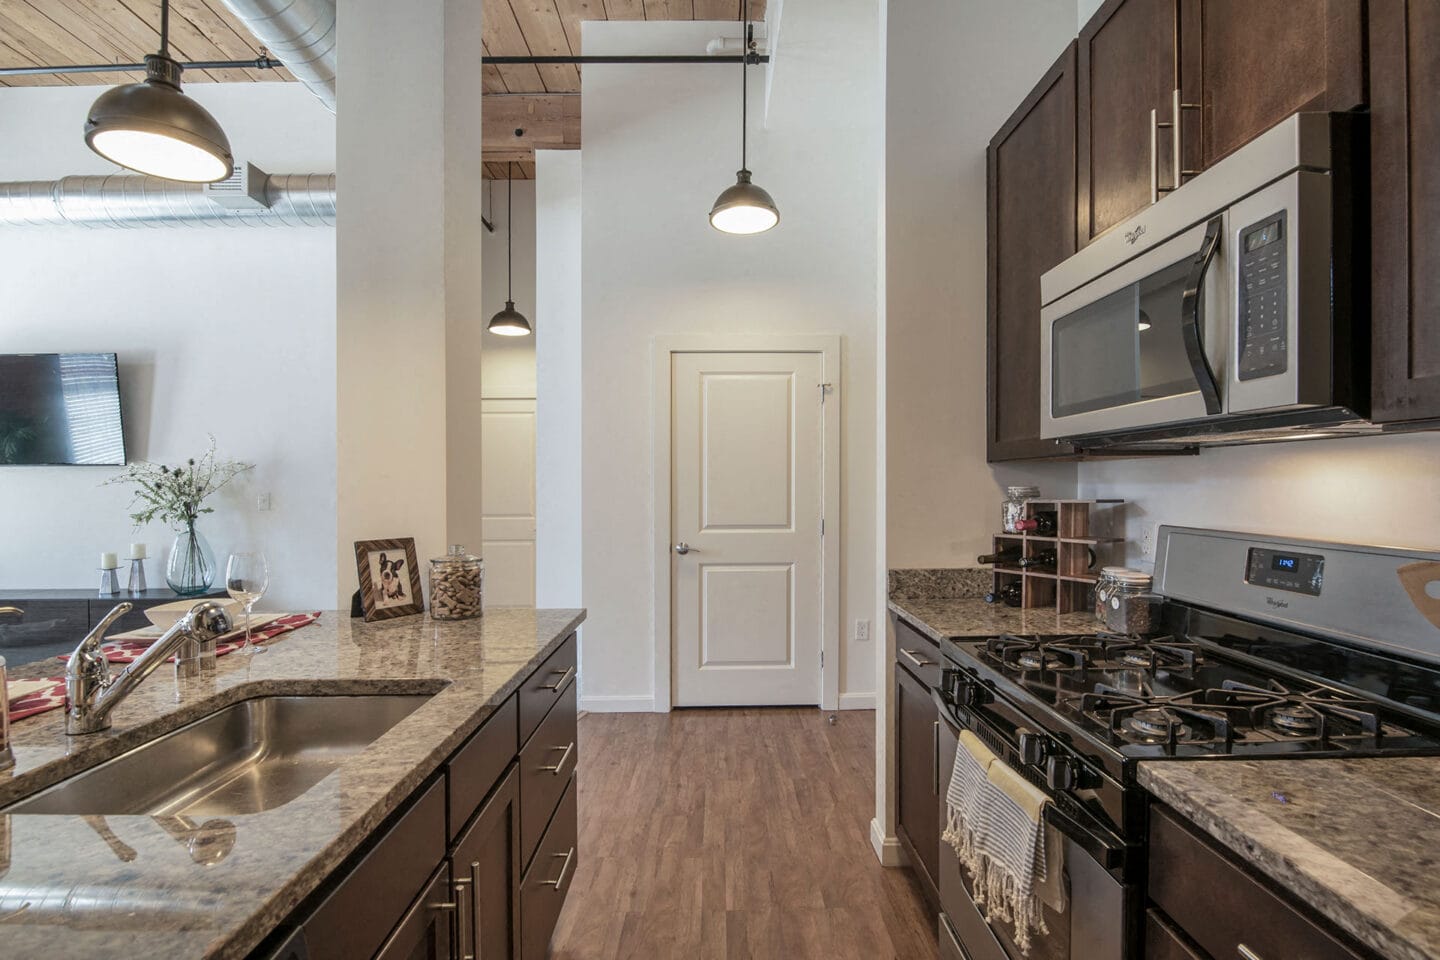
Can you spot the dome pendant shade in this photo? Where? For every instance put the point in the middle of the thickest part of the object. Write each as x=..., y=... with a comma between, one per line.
x=509, y=322
x=155, y=129
x=744, y=208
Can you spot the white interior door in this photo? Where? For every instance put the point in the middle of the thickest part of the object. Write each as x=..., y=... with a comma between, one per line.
x=507, y=493
x=746, y=502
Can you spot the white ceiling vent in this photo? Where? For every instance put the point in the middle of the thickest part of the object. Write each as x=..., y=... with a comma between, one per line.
x=242, y=190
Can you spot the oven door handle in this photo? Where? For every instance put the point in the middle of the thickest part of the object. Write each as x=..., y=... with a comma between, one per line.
x=1192, y=324
x=1105, y=851
x=946, y=711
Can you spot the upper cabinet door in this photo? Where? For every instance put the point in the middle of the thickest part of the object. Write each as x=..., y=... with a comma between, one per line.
x=1031, y=165
x=1262, y=60
x=1405, y=208
x=1128, y=71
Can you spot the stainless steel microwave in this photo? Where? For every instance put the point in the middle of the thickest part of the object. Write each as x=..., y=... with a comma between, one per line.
x=1233, y=310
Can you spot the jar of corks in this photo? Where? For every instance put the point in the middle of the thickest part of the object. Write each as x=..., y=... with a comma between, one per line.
x=457, y=582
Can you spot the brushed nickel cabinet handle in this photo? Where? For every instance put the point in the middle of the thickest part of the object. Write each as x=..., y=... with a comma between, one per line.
x=555, y=770
x=935, y=757
x=1155, y=125
x=460, y=898
x=564, y=677
x=475, y=912
x=1178, y=173
x=1246, y=953
x=564, y=868
x=916, y=660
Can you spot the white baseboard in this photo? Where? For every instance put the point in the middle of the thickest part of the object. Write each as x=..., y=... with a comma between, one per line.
x=623, y=704
x=857, y=701
x=887, y=849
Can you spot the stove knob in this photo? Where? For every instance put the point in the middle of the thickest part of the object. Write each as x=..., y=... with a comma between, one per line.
x=1032, y=747
x=1059, y=773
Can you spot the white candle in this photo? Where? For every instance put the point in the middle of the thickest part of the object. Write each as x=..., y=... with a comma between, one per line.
x=137, y=551
x=108, y=561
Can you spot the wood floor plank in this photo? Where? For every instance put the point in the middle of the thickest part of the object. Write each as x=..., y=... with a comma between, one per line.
x=734, y=835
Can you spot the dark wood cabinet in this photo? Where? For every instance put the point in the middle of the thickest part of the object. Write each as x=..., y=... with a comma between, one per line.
x=1032, y=227
x=486, y=866
x=426, y=932
x=917, y=821
x=548, y=879
x=1128, y=67
x=1405, y=209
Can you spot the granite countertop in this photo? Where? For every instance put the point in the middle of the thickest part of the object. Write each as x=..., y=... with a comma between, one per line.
x=945, y=619
x=129, y=886
x=1354, y=839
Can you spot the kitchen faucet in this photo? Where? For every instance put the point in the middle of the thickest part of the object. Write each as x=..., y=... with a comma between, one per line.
x=91, y=693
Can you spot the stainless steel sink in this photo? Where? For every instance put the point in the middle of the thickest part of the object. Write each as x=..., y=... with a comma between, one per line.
x=251, y=756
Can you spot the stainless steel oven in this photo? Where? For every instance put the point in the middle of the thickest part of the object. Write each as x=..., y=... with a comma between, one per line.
x=1103, y=902
x=1231, y=310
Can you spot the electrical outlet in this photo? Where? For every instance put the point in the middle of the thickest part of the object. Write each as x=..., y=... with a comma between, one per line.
x=862, y=629
x=262, y=502
x=1147, y=540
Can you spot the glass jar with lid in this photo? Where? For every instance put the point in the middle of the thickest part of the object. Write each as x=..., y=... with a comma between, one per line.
x=1012, y=511
x=1125, y=602
x=457, y=583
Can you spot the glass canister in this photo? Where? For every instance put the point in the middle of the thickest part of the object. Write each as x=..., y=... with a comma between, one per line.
x=1124, y=601
x=457, y=583
x=1012, y=511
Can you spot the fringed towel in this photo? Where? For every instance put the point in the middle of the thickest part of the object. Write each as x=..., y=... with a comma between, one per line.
x=995, y=822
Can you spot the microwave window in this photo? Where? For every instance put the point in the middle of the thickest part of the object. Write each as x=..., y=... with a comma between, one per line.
x=1124, y=348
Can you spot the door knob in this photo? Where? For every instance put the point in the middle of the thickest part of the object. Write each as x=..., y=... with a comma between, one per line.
x=682, y=548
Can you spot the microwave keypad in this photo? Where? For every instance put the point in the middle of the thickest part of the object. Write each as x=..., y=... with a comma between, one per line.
x=1263, y=299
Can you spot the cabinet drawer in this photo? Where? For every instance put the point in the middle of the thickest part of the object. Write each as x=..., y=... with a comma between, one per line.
x=1164, y=942
x=1220, y=906
x=917, y=653
x=543, y=890
x=545, y=767
x=480, y=763
x=543, y=688
x=358, y=916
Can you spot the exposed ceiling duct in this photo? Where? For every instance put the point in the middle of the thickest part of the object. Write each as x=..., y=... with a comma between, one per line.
x=298, y=33
x=124, y=201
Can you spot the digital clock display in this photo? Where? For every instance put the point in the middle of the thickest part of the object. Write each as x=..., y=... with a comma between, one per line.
x=1288, y=564
x=1256, y=239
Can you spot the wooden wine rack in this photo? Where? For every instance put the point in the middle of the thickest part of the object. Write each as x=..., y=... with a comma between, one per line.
x=1082, y=526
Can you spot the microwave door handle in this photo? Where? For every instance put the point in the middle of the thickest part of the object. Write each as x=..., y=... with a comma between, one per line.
x=1192, y=324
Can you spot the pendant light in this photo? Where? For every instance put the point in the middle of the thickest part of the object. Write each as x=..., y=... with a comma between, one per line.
x=745, y=207
x=509, y=322
x=153, y=128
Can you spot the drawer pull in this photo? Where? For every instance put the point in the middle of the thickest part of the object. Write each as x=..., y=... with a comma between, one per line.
x=475, y=931
x=919, y=662
x=564, y=678
x=555, y=770
x=1246, y=953
x=449, y=905
x=461, y=896
x=564, y=869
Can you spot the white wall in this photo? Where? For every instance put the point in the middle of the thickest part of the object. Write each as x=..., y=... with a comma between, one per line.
x=224, y=331
x=954, y=74
x=560, y=375
x=507, y=364
x=1084, y=10
x=660, y=143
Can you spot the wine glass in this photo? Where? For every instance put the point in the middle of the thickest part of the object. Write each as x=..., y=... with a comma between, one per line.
x=246, y=578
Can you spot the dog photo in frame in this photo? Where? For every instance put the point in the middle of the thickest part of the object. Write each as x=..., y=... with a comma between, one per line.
x=389, y=578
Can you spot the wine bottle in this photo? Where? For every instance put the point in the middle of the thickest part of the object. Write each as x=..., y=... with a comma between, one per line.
x=1005, y=555
x=1008, y=595
x=1043, y=524
x=1045, y=558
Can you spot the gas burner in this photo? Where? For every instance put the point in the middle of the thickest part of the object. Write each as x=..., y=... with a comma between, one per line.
x=1155, y=724
x=1030, y=654
x=1295, y=718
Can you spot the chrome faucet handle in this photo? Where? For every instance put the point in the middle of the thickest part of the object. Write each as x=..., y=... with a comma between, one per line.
x=96, y=636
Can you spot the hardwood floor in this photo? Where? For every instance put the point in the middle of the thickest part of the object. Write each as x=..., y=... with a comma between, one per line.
x=736, y=834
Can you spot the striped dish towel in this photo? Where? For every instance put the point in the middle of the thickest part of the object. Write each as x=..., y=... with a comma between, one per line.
x=994, y=820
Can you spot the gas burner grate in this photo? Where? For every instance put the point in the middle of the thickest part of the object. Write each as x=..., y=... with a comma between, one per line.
x=1032, y=654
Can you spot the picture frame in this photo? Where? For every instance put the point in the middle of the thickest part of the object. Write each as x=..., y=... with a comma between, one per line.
x=389, y=578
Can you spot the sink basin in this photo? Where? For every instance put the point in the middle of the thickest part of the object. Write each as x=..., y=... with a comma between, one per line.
x=251, y=756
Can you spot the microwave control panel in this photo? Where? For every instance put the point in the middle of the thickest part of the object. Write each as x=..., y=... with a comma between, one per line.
x=1264, y=334
x=1284, y=570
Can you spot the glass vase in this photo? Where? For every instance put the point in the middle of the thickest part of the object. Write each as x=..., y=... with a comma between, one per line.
x=191, y=568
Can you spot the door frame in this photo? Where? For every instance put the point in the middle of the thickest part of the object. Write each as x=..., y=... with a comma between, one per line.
x=827, y=346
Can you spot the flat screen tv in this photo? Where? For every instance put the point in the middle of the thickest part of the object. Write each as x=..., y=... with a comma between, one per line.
x=60, y=408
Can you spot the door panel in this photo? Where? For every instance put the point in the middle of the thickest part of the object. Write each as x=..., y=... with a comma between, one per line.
x=917, y=732
x=508, y=492
x=746, y=451
x=489, y=856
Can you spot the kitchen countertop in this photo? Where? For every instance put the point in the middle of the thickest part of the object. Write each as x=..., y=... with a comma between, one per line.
x=123, y=886
x=1354, y=839
x=944, y=619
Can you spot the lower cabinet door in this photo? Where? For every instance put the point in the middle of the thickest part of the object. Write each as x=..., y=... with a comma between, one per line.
x=428, y=929
x=486, y=866
x=547, y=881
x=917, y=733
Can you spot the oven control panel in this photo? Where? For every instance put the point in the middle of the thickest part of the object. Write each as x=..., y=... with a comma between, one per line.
x=1286, y=570
x=1264, y=334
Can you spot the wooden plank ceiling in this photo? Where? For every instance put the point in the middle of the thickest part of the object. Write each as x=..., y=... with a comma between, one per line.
x=526, y=106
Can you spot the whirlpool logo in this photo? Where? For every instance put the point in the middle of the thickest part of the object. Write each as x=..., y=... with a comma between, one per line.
x=1131, y=236
x=1277, y=604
